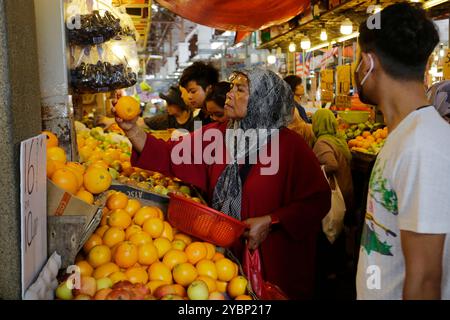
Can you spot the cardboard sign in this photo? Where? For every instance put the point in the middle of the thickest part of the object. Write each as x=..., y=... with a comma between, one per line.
x=33, y=194
x=343, y=79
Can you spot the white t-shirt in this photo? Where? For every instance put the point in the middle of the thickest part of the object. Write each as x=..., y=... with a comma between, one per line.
x=409, y=189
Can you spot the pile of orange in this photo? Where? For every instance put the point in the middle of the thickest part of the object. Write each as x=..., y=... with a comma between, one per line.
x=367, y=139
x=135, y=243
x=73, y=177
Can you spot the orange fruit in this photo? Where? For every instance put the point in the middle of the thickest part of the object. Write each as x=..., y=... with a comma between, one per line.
x=52, y=166
x=196, y=251
x=56, y=153
x=117, y=276
x=178, y=244
x=86, y=196
x=207, y=268
x=113, y=236
x=243, y=297
x=52, y=139
x=132, y=207
x=236, y=270
x=77, y=166
x=221, y=286
x=117, y=200
x=365, y=134
x=162, y=245
x=105, y=270
x=127, y=108
x=217, y=256
x=159, y=271
x=97, y=180
x=237, y=286
x=94, y=240
x=131, y=230
x=101, y=230
x=96, y=163
x=137, y=275
x=183, y=237
x=85, y=152
x=155, y=284
x=140, y=237
x=154, y=227
x=126, y=255
x=174, y=257
x=184, y=274
x=85, y=268
x=167, y=231
x=78, y=175
x=210, y=250
x=66, y=180
x=225, y=269
x=105, y=219
x=210, y=282
x=99, y=255
x=147, y=253
x=119, y=218
x=145, y=213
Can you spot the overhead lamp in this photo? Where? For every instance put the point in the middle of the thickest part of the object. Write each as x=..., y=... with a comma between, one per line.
x=442, y=52
x=292, y=47
x=432, y=3
x=305, y=43
x=346, y=27
x=323, y=35
x=271, y=59
x=377, y=9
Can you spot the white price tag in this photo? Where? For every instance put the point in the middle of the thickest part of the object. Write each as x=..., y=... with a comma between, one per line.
x=33, y=202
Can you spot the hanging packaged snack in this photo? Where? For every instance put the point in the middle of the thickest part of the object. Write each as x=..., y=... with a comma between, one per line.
x=86, y=26
x=100, y=69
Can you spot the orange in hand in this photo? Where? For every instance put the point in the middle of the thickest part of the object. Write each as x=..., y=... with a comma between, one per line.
x=127, y=108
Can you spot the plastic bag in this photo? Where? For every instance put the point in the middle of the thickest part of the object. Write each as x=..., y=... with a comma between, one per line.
x=333, y=223
x=100, y=69
x=87, y=26
x=264, y=290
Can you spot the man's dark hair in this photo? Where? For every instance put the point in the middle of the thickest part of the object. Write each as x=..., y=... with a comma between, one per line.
x=200, y=72
x=404, y=42
x=218, y=93
x=293, y=82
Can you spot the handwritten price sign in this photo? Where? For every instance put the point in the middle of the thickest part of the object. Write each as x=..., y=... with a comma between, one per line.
x=33, y=202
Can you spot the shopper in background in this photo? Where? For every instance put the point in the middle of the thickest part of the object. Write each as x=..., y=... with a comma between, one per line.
x=405, y=245
x=439, y=96
x=178, y=116
x=335, y=157
x=196, y=79
x=284, y=209
x=301, y=100
x=215, y=101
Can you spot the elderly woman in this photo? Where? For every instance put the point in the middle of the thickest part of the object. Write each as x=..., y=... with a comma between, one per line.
x=283, y=208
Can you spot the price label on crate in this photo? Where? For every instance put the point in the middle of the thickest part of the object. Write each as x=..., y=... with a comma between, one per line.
x=33, y=203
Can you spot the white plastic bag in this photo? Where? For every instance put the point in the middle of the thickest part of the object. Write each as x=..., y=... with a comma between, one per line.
x=333, y=223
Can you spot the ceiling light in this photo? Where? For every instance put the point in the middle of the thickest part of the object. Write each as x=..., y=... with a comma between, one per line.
x=433, y=3
x=346, y=27
x=292, y=47
x=271, y=59
x=305, y=43
x=323, y=35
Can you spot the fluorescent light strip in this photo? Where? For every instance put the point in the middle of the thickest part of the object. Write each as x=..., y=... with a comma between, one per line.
x=433, y=3
x=341, y=39
x=320, y=46
x=350, y=36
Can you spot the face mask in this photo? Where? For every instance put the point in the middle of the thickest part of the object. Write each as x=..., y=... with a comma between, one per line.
x=359, y=86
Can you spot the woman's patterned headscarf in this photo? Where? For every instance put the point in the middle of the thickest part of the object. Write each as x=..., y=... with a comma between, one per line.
x=269, y=107
x=439, y=96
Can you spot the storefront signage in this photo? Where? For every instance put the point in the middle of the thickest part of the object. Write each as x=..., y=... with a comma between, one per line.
x=33, y=203
x=343, y=79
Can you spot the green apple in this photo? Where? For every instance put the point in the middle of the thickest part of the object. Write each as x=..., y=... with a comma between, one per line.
x=198, y=290
x=185, y=190
x=63, y=292
x=104, y=283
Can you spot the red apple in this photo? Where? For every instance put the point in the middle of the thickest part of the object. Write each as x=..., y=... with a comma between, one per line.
x=216, y=295
x=119, y=294
x=102, y=294
x=139, y=291
x=125, y=284
x=173, y=289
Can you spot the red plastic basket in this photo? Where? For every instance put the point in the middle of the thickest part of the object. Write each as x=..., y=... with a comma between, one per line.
x=203, y=222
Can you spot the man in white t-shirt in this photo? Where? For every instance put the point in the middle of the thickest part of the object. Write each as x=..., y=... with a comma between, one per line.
x=405, y=244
